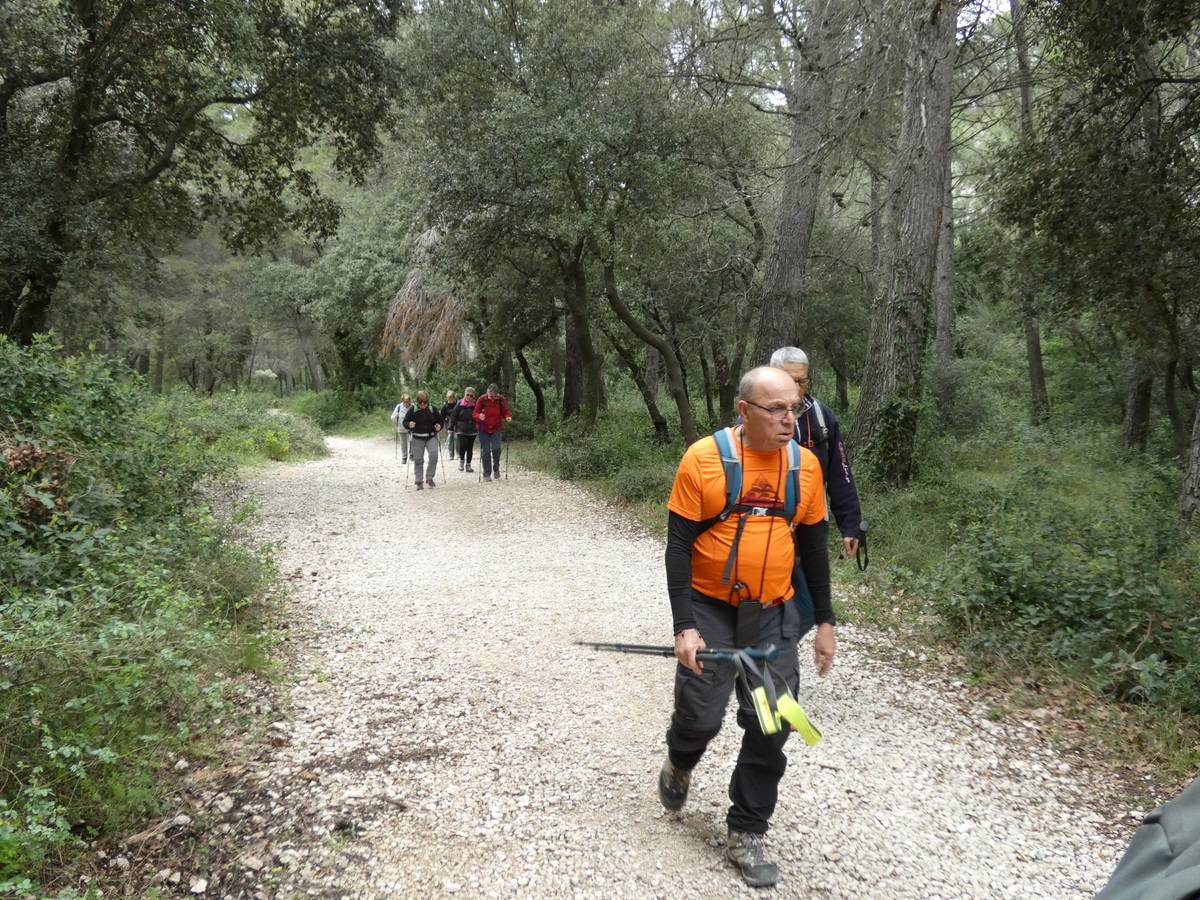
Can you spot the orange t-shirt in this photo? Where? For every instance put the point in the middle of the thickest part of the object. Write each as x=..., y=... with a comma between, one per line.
x=699, y=494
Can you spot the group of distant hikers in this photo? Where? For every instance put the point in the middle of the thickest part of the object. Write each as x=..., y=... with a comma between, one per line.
x=748, y=575
x=420, y=428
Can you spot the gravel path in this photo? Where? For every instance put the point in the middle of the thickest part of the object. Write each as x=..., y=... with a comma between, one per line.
x=445, y=737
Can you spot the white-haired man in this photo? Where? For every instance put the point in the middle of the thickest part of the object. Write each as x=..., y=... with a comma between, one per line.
x=817, y=429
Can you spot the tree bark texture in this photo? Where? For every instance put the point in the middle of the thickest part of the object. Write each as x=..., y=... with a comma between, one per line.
x=885, y=422
x=809, y=105
x=1135, y=428
x=943, y=282
x=1039, y=401
x=577, y=309
x=572, y=390
x=652, y=366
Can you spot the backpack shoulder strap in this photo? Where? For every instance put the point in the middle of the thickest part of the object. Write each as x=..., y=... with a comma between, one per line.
x=732, y=464
x=791, y=491
x=816, y=407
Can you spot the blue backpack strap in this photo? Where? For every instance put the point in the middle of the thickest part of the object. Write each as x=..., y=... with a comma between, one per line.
x=732, y=464
x=791, y=492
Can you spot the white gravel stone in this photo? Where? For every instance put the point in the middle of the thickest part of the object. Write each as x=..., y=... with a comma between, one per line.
x=445, y=736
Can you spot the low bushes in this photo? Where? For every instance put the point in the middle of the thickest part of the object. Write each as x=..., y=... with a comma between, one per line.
x=1109, y=592
x=124, y=595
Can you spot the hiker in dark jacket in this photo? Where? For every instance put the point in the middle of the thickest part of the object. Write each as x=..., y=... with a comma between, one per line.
x=462, y=423
x=447, y=426
x=423, y=424
x=825, y=441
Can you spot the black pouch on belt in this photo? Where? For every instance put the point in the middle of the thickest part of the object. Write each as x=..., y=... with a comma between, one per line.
x=748, y=614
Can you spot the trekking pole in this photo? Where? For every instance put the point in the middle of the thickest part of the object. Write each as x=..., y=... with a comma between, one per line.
x=507, y=441
x=716, y=654
x=407, y=462
x=442, y=457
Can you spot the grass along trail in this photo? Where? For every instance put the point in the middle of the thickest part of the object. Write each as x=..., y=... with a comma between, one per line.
x=444, y=737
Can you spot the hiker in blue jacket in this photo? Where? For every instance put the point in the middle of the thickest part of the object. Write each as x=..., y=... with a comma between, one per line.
x=817, y=429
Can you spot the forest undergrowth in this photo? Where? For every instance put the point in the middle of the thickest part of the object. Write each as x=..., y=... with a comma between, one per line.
x=132, y=594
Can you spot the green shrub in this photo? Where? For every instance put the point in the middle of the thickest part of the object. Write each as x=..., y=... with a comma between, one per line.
x=122, y=591
x=326, y=409
x=1027, y=576
x=651, y=481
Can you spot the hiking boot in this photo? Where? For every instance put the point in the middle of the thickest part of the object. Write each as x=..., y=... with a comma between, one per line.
x=749, y=853
x=431, y=483
x=404, y=462
x=420, y=487
x=673, y=786
x=469, y=469
x=487, y=477
x=460, y=465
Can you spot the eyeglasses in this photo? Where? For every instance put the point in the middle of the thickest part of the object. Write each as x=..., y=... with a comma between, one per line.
x=801, y=382
x=779, y=412
x=422, y=403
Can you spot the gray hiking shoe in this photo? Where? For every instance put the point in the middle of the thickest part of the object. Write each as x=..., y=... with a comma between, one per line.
x=673, y=786
x=749, y=853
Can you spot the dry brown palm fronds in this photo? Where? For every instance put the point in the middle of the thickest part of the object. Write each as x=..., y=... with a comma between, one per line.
x=425, y=321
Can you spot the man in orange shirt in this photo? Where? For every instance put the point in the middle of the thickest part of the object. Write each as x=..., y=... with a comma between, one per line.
x=732, y=583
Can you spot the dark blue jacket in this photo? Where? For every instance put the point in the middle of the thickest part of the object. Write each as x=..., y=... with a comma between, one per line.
x=835, y=464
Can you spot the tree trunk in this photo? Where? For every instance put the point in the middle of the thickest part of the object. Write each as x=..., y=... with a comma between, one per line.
x=809, y=105
x=1189, y=494
x=651, y=371
x=539, y=398
x=32, y=314
x=662, y=432
x=841, y=370
x=1136, y=426
x=727, y=376
x=304, y=333
x=1171, y=401
x=577, y=307
x=706, y=375
x=160, y=357
x=508, y=376
x=885, y=422
x=1039, y=401
x=572, y=392
x=675, y=383
x=943, y=281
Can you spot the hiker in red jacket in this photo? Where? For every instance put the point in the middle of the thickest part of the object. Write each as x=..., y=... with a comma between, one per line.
x=491, y=412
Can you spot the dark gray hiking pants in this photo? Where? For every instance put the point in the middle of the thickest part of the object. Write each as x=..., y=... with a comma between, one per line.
x=700, y=703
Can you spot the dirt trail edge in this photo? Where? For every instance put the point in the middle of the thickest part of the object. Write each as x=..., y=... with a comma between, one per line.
x=444, y=737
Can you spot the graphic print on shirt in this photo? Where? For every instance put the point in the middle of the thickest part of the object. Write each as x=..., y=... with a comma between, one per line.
x=763, y=493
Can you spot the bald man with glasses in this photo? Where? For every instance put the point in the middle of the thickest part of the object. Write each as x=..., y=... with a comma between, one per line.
x=753, y=574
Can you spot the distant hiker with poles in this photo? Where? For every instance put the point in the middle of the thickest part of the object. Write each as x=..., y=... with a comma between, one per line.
x=817, y=429
x=398, y=413
x=424, y=424
x=491, y=412
x=462, y=423
x=447, y=411
x=736, y=579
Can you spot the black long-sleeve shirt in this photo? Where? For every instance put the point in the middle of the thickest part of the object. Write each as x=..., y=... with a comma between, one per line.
x=835, y=465
x=811, y=556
